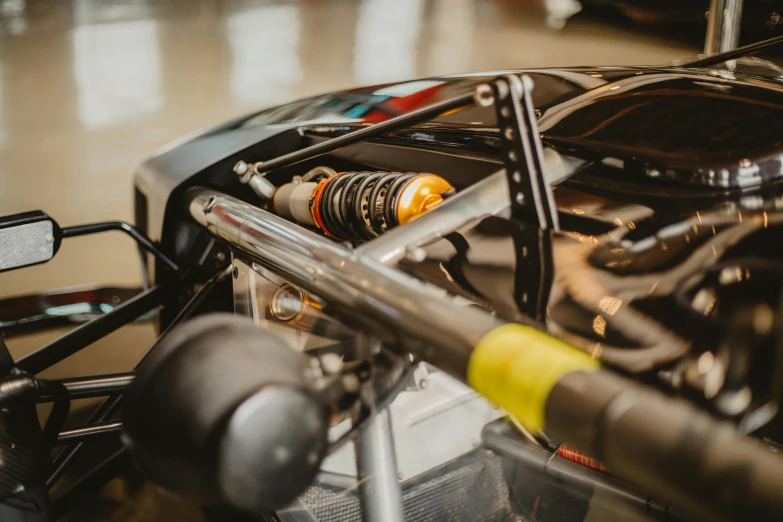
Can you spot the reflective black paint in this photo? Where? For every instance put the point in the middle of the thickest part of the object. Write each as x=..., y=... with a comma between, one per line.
x=675, y=152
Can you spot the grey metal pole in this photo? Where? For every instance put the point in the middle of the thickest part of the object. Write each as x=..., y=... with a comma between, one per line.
x=376, y=466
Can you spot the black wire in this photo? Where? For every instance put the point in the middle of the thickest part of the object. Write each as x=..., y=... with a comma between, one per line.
x=681, y=296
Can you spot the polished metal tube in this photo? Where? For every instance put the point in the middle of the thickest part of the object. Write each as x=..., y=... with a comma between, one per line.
x=359, y=290
x=723, y=29
x=376, y=465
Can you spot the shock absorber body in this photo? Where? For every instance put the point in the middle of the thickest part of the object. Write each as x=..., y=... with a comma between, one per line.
x=358, y=206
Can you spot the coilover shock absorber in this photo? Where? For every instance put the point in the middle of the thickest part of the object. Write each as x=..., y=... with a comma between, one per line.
x=358, y=206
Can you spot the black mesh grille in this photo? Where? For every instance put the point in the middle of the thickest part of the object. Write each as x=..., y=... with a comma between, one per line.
x=468, y=489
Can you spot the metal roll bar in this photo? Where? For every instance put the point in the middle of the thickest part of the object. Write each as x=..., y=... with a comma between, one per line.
x=392, y=303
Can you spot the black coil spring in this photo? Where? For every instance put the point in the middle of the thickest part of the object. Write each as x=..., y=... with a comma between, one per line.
x=358, y=206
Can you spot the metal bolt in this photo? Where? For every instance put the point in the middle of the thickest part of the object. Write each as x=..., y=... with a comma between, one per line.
x=210, y=204
x=417, y=255
x=331, y=363
x=220, y=257
x=236, y=273
x=484, y=97
x=515, y=85
x=241, y=168
x=503, y=89
x=350, y=383
x=400, y=475
x=424, y=384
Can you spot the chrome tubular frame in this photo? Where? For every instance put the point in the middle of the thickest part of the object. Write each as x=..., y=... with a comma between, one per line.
x=723, y=28
x=361, y=291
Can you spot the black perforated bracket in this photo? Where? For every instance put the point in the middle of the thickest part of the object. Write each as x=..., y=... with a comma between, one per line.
x=532, y=203
x=523, y=153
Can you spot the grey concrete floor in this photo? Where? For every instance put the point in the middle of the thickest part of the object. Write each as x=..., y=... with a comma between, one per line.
x=88, y=88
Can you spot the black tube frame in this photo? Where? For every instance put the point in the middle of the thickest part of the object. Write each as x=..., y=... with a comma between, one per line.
x=136, y=234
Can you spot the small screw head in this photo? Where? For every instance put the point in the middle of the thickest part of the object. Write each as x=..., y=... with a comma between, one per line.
x=331, y=363
x=220, y=257
x=417, y=255
x=424, y=384
x=235, y=273
x=484, y=97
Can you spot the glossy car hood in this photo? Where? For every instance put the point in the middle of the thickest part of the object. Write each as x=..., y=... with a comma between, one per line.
x=704, y=128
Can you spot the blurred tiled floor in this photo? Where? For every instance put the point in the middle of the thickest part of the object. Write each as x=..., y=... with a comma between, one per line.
x=90, y=87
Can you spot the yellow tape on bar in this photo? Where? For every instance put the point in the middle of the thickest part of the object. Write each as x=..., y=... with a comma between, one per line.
x=516, y=367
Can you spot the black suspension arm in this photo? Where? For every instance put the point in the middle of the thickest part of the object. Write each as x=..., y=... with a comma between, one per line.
x=373, y=131
x=88, y=431
x=141, y=239
x=88, y=333
x=87, y=387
